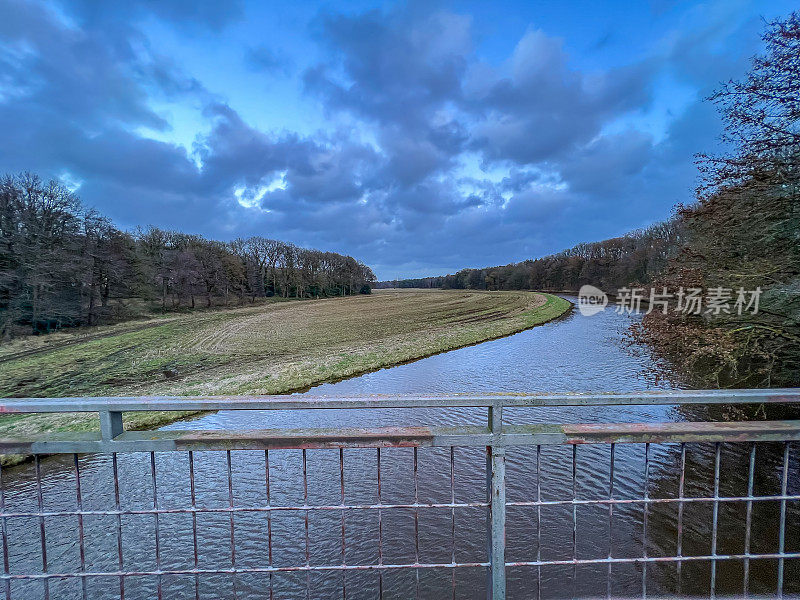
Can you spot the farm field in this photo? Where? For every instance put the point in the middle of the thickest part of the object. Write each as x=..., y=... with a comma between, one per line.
x=265, y=349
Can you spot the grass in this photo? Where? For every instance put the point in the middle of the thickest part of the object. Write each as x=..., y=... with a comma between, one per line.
x=264, y=349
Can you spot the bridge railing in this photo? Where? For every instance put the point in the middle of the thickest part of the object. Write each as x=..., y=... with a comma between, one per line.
x=497, y=436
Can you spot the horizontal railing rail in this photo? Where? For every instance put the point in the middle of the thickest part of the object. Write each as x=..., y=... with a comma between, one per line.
x=497, y=437
x=292, y=402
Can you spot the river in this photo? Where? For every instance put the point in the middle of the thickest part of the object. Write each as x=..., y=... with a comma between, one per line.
x=574, y=353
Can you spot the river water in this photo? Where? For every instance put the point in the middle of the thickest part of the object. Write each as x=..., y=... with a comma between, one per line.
x=574, y=353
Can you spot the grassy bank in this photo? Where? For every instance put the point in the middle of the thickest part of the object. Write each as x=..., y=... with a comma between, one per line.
x=265, y=349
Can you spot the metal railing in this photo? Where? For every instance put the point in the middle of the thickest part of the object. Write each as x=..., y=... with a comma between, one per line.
x=497, y=436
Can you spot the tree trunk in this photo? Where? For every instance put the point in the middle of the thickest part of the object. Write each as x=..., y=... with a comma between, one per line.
x=34, y=307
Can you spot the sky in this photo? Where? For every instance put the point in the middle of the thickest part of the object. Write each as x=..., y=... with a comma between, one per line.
x=419, y=137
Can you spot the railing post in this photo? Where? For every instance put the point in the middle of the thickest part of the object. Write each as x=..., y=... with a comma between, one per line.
x=496, y=515
x=110, y=424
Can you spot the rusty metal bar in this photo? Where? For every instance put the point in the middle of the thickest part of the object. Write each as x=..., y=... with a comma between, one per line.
x=380, y=529
x=269, y=520
x=539, y=521
x=79, y=505
x=341, y=499
x=416, y=524
x=159, y=579
x=574, y=519
x=385, y=437
x=115, y=470
x=305, y=523
x=453, y=515
x=230, y=504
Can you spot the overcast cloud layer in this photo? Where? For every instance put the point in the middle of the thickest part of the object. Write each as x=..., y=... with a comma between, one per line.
x=418, y=138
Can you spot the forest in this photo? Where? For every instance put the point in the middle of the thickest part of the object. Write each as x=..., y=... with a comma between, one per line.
x=63, y=265
x=741, y=231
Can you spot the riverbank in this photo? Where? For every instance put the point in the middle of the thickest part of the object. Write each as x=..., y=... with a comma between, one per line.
x=267, y=349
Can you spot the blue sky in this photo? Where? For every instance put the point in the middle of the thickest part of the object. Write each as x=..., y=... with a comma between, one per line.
x=419, y=137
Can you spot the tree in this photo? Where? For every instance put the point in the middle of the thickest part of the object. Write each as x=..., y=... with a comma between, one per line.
x=40, y=236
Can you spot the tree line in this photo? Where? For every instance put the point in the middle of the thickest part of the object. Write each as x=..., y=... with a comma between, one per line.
x=635, y=258
x=741, y=231
x=63, y=265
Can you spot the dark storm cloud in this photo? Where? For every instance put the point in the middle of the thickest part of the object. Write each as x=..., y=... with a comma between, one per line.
x=317, y=170
x=68, y=73
x=603, y=165
x=75, y=99
x=396, y=67
x=388, y=181
x=416, y=78
x=543, y=109
x=402, y=71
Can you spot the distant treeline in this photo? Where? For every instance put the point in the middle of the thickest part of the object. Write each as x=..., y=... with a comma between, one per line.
x=632, y=259
x=63, y=265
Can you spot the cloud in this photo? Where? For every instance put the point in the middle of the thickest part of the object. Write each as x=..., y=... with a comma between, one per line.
x=315, y=170
x=401, y=72
x=604, y=165
x=262, y=59
x=434, y=157
x=396, y=67
x=537, y=108
x=69, y=73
